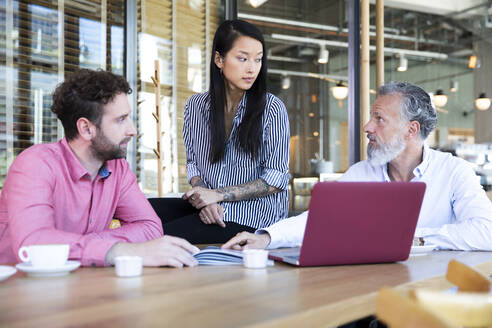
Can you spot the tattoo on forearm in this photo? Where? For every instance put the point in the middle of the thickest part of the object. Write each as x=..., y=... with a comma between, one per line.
x=197, y=182
x=254, y=189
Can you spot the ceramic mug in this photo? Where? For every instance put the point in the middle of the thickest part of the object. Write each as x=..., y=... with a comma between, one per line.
x=255, y=258
x=128, y=266
x=47, y=256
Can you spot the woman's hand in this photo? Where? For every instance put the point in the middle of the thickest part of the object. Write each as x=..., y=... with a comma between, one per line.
x=246, y=240
x=213, y=214
x=200, y=197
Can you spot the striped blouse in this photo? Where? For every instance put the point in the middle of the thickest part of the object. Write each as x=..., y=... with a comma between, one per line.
x=237, y=167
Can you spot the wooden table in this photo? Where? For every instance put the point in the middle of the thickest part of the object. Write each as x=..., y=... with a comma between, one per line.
x=218, y=296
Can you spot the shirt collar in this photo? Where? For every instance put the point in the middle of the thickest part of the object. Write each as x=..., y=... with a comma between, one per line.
x=422, y=167
x=241, y=108
x=104, y=172
x=418, y=171
x=385, y=173
x=76, y=170
x=242, y=103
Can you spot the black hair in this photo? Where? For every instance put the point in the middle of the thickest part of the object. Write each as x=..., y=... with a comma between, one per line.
x=250, y=130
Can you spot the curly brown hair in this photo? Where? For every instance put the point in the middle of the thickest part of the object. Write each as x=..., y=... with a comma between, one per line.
x=84, y=94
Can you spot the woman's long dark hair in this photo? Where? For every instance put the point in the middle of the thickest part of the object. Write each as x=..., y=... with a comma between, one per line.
x=250, y=129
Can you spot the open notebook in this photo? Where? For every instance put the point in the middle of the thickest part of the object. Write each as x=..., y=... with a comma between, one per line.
x=214, y=255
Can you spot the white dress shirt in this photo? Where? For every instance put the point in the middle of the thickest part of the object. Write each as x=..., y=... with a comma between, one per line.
x=456, y=213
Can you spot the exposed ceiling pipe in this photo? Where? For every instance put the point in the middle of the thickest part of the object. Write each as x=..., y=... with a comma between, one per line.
x=326, y=77
x=304, y=24
x=288, y=22
x=336, y=29
x=284, y=59
x=341, y=44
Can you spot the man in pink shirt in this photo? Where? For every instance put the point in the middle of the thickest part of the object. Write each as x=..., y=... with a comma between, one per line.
x=69, y=191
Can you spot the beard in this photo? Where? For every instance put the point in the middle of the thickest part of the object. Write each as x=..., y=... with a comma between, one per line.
x=103, y=149
x=383, y=153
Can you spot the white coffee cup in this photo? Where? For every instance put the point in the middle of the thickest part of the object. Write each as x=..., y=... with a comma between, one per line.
x=46, y=256
x=255, y=258
x=128, y=266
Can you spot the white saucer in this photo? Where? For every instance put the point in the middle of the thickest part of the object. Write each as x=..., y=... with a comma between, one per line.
x=48, y=272
x=421, y=250
x=6, y=271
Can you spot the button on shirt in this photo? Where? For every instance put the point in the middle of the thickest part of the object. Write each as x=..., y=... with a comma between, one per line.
x=49, y=197
x=456, y=213
x=237, y=167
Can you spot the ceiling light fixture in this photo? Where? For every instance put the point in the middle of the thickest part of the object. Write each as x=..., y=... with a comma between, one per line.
x=482, y=102
x=340, y=91
x=323, y=55
x=440, y=99
x=285, y=82
x=256, y=3
x=473, y=62
x=403, y=65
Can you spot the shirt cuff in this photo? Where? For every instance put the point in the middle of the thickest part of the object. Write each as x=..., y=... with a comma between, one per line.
x=192, y=171
x=95, y=252
x=424, y=232
x=434, y=236
x=275, y=178
x=275, y=238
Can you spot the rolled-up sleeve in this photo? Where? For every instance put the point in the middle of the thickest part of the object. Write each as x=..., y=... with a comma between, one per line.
x=275, y=163
x=191, y=167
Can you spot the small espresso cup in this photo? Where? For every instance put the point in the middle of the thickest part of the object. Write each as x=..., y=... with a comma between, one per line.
x=255, y=258
x=53, y=255
x=128, y=266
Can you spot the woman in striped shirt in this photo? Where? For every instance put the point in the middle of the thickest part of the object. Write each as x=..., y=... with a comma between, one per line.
x=237, y=144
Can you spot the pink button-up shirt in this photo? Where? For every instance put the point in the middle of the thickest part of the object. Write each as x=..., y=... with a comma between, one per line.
x=48, y=198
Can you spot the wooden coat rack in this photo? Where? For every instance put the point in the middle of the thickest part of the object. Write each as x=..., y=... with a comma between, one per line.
x=156, y=114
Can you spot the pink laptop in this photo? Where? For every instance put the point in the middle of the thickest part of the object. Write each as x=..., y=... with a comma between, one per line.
x=358, y=222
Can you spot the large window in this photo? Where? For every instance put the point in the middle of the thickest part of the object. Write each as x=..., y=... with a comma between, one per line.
x=428, y=44
x=179, y=35
x=302, y=72
x=40, y=42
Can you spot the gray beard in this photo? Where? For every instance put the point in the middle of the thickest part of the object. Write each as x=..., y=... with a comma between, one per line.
x=385, y=153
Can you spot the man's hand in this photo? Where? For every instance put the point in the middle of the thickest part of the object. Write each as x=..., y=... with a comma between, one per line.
x=163, y=251
x=212, y=214
x=246, y=240
x=200, y=197
x=418, y=241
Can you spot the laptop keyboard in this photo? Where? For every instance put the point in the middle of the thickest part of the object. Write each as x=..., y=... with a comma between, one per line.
x=290, y=254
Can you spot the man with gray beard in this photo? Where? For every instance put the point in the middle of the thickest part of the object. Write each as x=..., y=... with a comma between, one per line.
x=455, y=214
